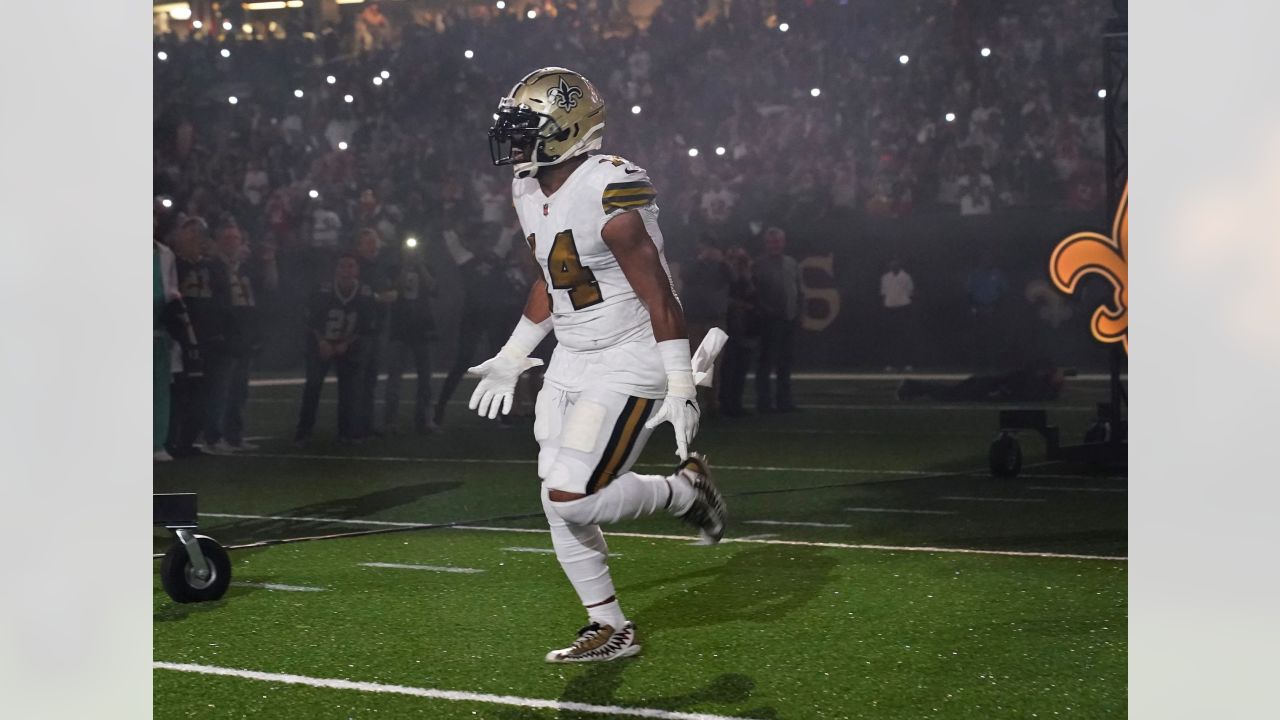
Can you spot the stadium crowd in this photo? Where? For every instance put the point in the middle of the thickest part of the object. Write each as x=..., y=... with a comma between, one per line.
x=328, y=149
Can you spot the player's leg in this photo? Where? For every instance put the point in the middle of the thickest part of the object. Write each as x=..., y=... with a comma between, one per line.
x=586, y=482
x=351, y=383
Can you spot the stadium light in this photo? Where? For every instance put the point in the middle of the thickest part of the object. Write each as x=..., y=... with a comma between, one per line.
x=783, y=27
x=233, y=99
x=720, y=150
x=247, y=29
x=197, y=24
x=313, y=194
x=635, y=109
x=501, y=5
x=269, y=5
x=225, y=53
x=377, y=80
x=348, y=98
x=950, y=117
x=226, y=25
x=468, y=54
x=1102, y=93
x=531, y=14
x=384, y=75
x=411, y=242
x=180, y=13
x=331, y=79
x=298, y=93
x=986, y=52
x=162, y=56
x=342, y=145
x=166, y=202
x=693, y=152
x=904, y=59
x=815, y=92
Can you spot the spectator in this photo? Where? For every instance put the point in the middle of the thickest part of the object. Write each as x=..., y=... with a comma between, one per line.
x=411, y=331
x=338, y=319
x=376, y=272
x=741, y=326
x=705, y=298
x=897, y=291
x=196, y=278
x=228, y=369
x=164, y=289
x=986, y=287
x=778, y=297
x=487, y=298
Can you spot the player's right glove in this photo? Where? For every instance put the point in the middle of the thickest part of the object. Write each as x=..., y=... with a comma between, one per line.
x=498, y=375
x=680, y=407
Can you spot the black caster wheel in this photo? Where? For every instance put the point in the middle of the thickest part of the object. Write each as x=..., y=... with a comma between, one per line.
x=1005, y=456
x=182, y=582
x=1099, y=432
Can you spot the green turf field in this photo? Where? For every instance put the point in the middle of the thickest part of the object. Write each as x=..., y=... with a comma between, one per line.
x=825, y=601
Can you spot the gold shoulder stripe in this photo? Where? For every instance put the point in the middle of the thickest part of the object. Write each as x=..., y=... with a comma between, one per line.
x=627, y=187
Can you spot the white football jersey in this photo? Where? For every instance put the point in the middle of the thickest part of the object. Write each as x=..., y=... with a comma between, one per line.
x=592, y=304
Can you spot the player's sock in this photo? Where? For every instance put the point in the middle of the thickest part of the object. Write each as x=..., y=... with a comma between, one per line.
x=609, y=613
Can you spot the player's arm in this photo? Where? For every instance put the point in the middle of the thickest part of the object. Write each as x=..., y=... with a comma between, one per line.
x=537, y=307
x=638, y=257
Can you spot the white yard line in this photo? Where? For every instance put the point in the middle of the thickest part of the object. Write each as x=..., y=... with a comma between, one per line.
x=277, y=586
x=547, y=551
x=900, y=510
x=428, y=568
x=1077, y=489
x=500, y=461
x=434, y=694
x=336, y=521
x=762, y=539
x=802, y=377
x=966, y=498
x=974, y=407
x=843, y=546
x=796, y=524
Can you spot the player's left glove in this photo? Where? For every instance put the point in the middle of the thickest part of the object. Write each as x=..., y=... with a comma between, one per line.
x=680, y=408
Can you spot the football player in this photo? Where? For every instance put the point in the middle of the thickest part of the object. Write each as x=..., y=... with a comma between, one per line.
x=622, y=363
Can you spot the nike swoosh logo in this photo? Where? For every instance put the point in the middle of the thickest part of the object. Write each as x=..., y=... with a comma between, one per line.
x=631, y=172
x=693, y=405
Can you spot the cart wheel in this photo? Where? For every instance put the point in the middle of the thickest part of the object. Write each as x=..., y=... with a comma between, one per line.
x=1005, y=456
x=179, y=578
x=1098, y=432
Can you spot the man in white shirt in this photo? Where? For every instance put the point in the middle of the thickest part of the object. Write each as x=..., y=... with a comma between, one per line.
x=896, y=290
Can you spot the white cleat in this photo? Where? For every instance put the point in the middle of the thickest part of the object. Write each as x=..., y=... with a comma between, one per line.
x=597, y=643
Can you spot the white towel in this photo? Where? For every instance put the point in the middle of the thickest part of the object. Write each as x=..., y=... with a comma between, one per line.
x=704, y=360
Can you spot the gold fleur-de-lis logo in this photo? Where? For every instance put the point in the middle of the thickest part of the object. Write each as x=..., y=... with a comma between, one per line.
x=1086, y=253
x=565, y=95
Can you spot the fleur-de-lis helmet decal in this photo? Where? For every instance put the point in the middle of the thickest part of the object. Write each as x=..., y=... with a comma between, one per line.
x=1087, y=253
x=564, y=95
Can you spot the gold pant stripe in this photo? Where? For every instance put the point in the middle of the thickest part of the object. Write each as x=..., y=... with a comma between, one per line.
x=621, y=442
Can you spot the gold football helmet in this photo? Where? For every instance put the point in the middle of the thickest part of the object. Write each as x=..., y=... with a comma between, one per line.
x=551, y=115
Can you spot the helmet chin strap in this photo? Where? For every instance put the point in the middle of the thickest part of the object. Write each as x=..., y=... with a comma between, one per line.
x=529, y=169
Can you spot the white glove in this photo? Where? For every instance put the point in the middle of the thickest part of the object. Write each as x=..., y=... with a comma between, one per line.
x=498, y=375
x=683, y=413
x=496, y=390
x=680, y=407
